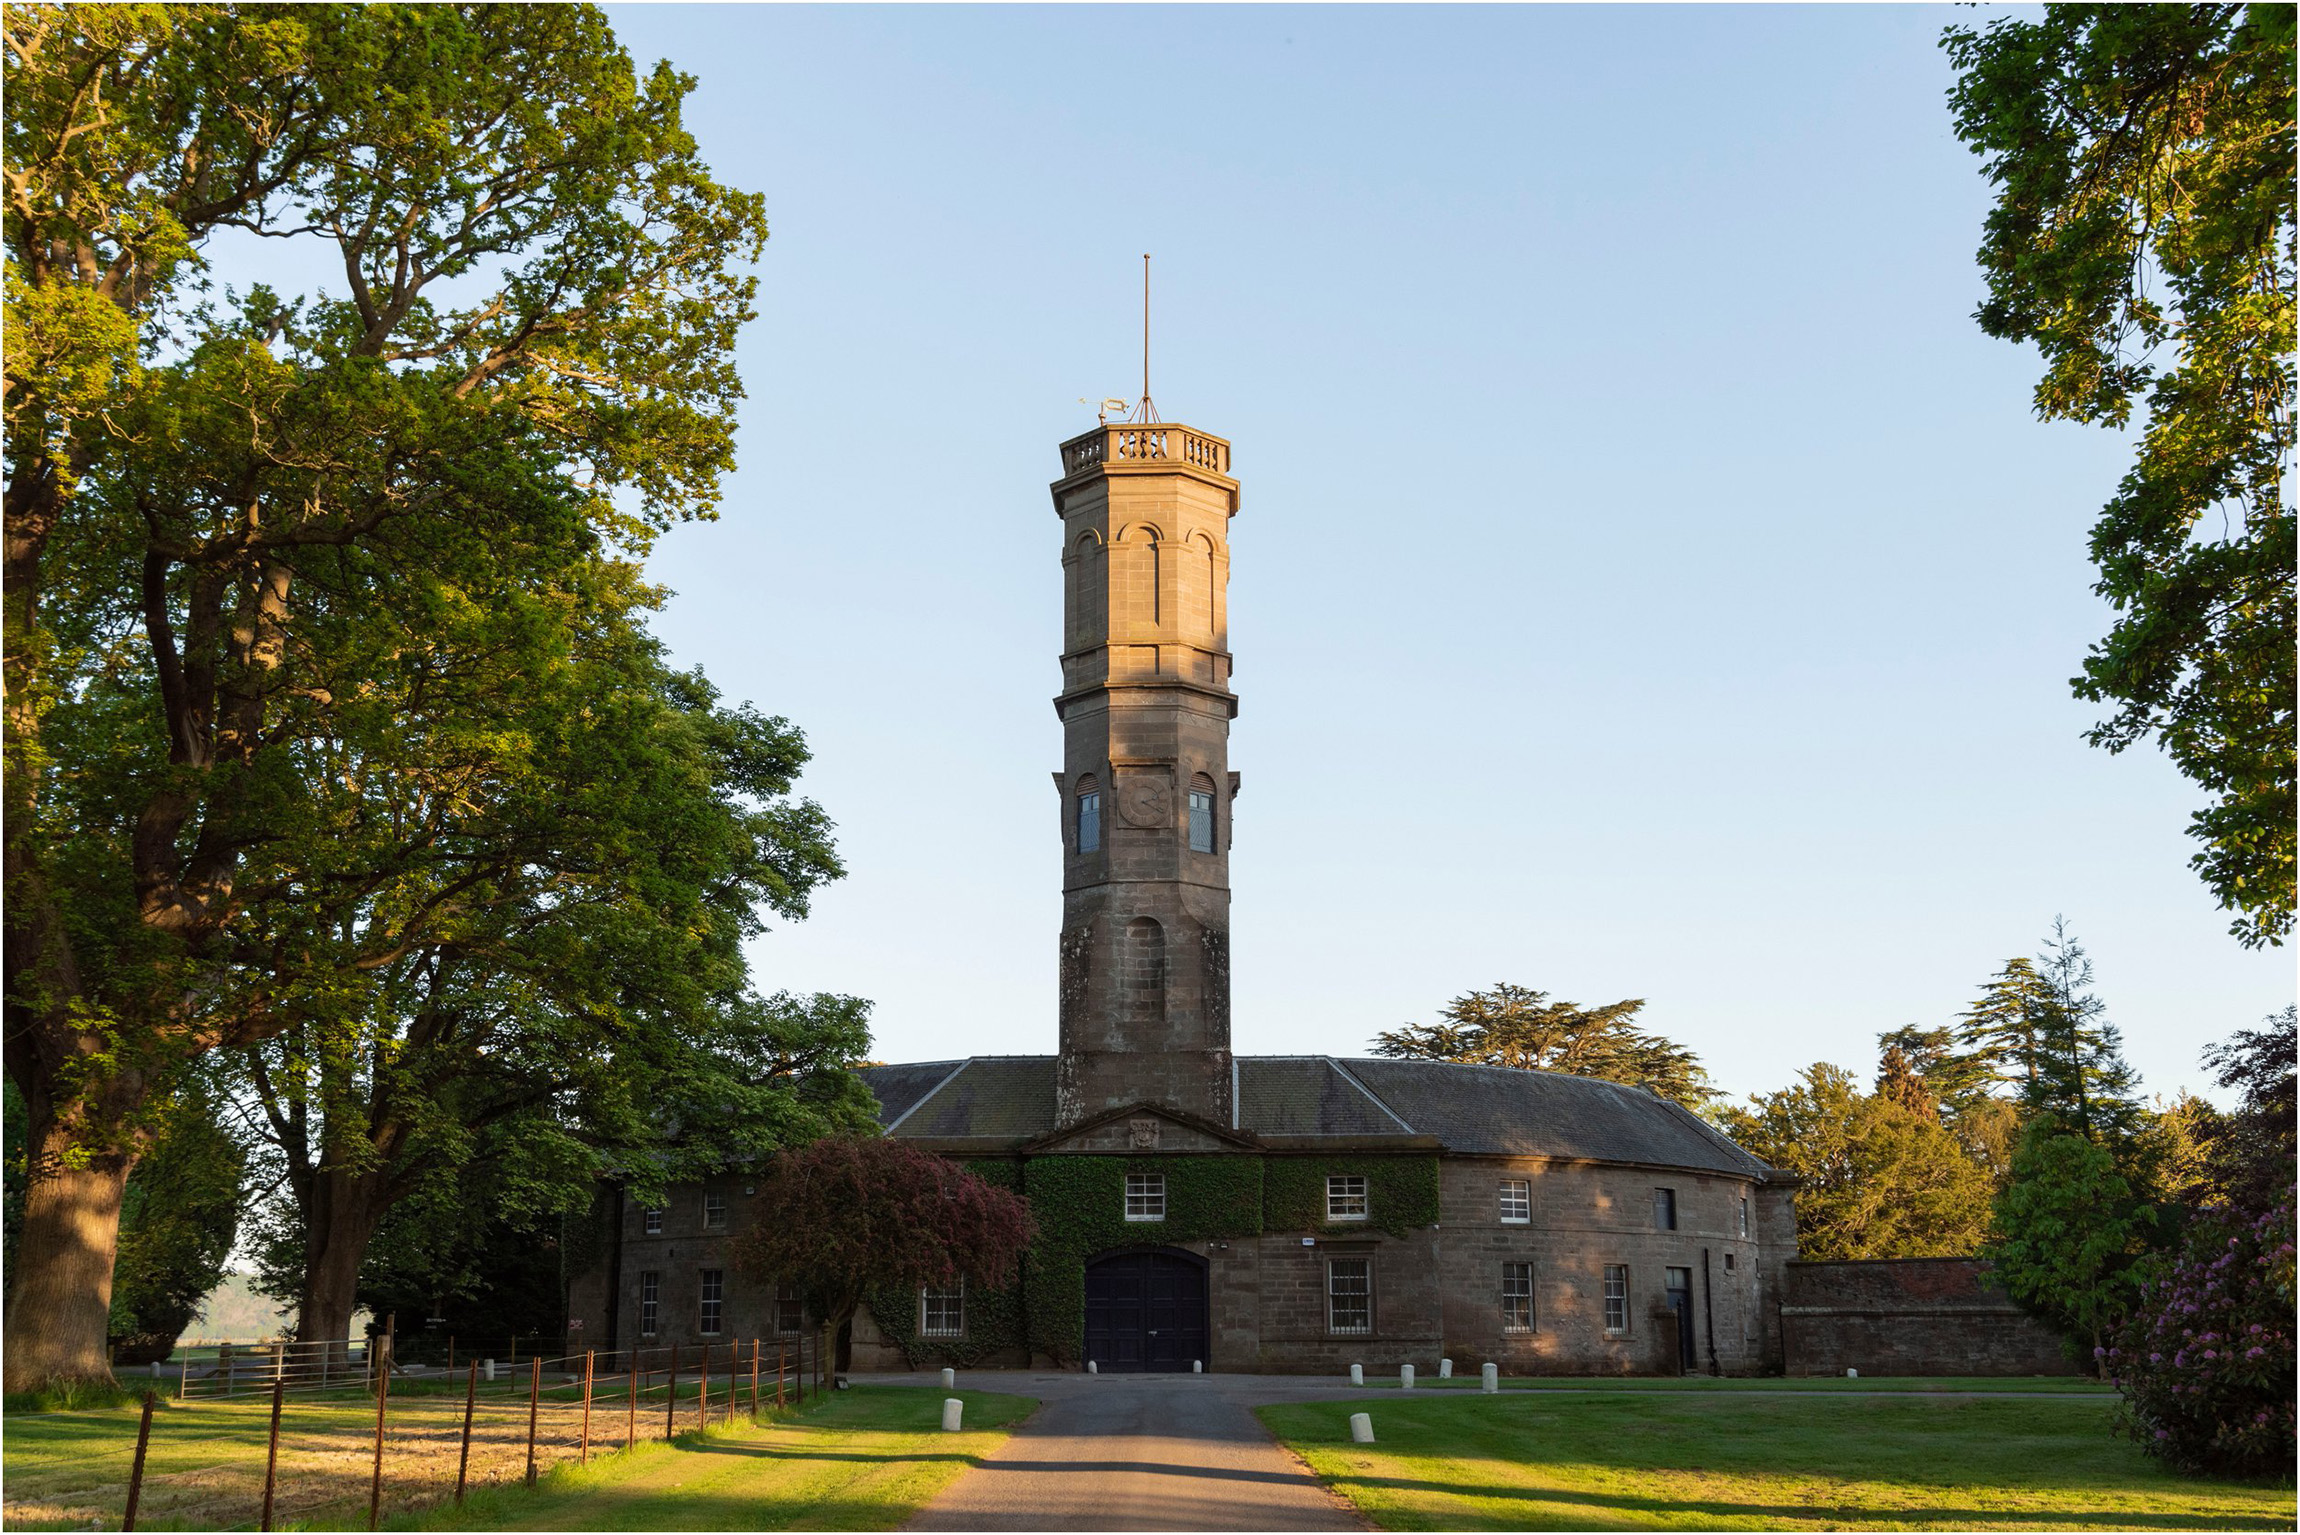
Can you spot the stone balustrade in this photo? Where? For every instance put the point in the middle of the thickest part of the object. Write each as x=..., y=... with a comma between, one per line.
x=1122, y=442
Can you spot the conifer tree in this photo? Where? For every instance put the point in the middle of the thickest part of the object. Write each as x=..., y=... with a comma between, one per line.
x=1518, y=1026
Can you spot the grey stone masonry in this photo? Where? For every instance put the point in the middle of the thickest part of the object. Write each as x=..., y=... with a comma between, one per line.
x=1145, y=790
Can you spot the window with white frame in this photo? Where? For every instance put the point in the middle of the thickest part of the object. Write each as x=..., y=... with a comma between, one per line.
x=1616, y=1297
x=1516, y=1201
x=650, y=1303
x=942, y=1313
x=1744, y=1215
x=1201, y=821
x=1664, y=1209
x=1346, y=1197
x=1350, y=1295
x=1090, y=820
x=714, y=1212
x=651, y=1222
x=714, y=1302
x=1517, y=1297
x=1145, y=1196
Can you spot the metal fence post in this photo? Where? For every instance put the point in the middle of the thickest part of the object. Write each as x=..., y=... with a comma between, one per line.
x=534, y=1402
x=703, y=1390
x=136, y=1474
x=375, y=1486
x=671, y=1398
x=782, y=1368
x=272, y=1454
x=631, y=1423
x=754, y=1380
x=470, y=1402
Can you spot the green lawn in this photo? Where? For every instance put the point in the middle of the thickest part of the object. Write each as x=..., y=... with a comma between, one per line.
x=2052, y=1385
x=862, y=1459
x=865, y=1459
x=1695, y=1461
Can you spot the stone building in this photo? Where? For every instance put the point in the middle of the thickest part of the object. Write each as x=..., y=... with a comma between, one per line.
x=1201, y=1208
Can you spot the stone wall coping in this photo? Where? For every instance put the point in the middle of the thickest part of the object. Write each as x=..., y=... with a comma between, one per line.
x=1836, y=1263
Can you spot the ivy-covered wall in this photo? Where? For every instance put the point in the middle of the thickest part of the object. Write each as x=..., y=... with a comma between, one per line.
x=1079, y=1203
x=1080, y=1206
x=1401, y=1193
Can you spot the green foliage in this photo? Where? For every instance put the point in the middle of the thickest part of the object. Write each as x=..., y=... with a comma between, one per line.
x=1401, y=1193
x=2069, y=1231
x=2143, y=238
x=2205, y=1364
x=2249, y=1153
x=1879, y=1180
x=1079, y=1204
x=1515, y=1026
x=335, y=736
x=2080, y=1075
x=178, y=1221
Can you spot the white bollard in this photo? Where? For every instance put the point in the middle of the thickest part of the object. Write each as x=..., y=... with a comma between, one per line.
x=1361, y=1428
x=1852, y=1374
x=1197, y=1367
x=1090, y=1368
x=1357, y=1374
x=487, y=1369
x=949, y=1378
x=1489, y=1379
x=1445, y=1369
x=952, y=1407
x=1405, y=1377
x=155, y=1369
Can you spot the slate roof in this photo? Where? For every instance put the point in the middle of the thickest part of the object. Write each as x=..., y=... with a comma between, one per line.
x=1306, y=1095
x=899, y=1088
x=1495, y=1110
x=1009, y=1096
x=1499, y=1109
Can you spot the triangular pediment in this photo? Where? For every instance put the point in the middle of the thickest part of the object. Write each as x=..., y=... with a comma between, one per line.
x=1143, y=1129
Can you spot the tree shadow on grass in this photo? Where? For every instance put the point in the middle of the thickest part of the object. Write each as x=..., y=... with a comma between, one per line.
x=1675, y=1510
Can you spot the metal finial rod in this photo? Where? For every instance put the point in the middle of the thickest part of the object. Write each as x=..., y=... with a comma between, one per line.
x=1146, y=412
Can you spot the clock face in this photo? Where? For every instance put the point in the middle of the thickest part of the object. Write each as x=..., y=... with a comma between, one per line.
x=1144, y=802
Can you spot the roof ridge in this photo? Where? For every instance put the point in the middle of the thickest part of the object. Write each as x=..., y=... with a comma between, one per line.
x=1351, y=1078
x=927, y=1095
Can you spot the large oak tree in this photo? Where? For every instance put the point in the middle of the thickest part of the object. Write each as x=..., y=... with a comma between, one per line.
x=221, y=505
x=2143, y=238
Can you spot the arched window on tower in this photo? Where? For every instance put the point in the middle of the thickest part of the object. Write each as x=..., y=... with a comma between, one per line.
x=1089, y=816
x=1201, y=814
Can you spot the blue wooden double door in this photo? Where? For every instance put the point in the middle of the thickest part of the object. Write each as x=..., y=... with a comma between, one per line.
x=1146, y=1310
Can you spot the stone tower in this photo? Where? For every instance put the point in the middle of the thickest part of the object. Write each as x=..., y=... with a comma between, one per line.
x=1146, y=785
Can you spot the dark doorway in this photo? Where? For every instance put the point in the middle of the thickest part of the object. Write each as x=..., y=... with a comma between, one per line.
x=1681, y=1307
x=1146, y=1310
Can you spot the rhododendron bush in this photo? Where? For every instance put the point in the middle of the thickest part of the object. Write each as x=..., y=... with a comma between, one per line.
x=2205, y=1363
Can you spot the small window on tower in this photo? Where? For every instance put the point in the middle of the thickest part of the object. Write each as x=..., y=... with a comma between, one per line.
x=1202, y=815
x=1089, y=820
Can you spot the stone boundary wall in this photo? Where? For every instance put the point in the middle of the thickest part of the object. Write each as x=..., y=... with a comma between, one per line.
x=1910, y=1316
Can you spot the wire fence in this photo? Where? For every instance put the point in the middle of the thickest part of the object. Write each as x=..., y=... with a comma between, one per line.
x=422, y=1435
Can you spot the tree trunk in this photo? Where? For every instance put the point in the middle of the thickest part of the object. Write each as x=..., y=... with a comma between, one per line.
x=337, y=1231
x=60, y=1285
x=60, y=1295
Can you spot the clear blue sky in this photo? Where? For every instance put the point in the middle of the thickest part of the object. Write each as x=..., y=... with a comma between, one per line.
x=1649, y=581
